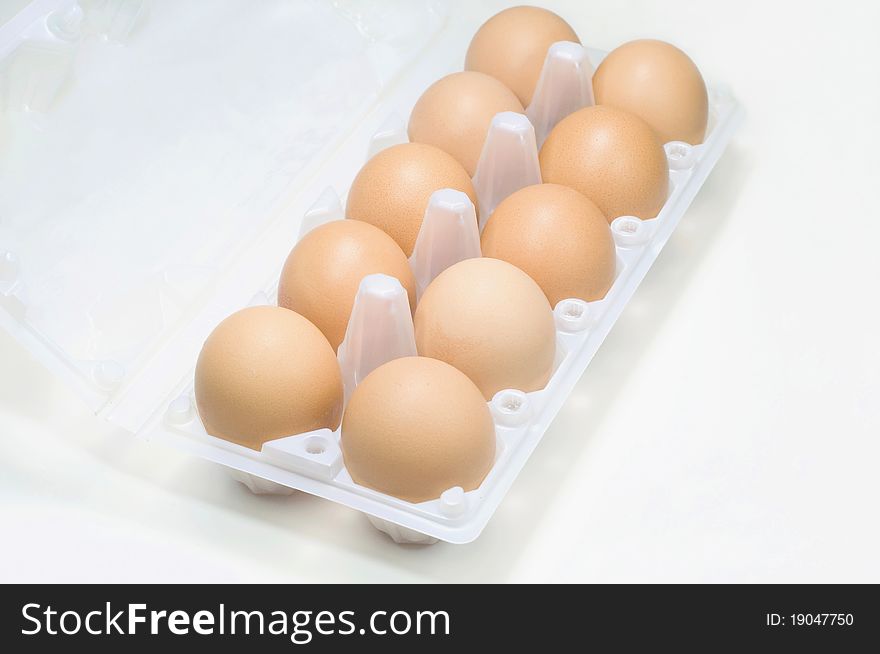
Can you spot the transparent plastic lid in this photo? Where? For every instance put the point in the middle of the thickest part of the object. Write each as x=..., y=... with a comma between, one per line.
x=144, y=146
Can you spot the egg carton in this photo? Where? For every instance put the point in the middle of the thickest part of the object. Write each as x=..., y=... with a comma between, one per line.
x=158, y=403
x=380, y=328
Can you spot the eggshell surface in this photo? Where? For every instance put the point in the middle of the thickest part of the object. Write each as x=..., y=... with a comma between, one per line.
x=392, y=190
x=612, y=157
x=322, y=273
x=556, y=236
x=416, y=427
x=659, y=83
x=454, y=114
x=265, y=373
x=490, y=320
x=512, y=46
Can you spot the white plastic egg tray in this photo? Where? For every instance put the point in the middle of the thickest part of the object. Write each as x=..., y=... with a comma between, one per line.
x=157, y=403
x=313, y=462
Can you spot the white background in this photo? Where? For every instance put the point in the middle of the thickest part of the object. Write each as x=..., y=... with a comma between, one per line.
x=728, y=430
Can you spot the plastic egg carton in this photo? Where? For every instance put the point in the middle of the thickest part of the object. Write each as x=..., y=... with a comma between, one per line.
x=158, y=404
x=381, y=329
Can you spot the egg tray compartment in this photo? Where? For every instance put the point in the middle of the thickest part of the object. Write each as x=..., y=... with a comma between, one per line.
x=313, y=462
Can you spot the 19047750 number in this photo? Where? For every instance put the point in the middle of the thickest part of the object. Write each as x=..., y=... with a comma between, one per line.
x=822, y=619
x=810, y=619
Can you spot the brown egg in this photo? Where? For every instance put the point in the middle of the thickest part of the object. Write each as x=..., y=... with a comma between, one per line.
x=611, y=156
x=512, y=45
x=454, y=114
x=659, y=83
x=392, y=190
x=265, y=373
x=556, y=236
x=323, y=272
x=491, y=321
x=416, y=427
